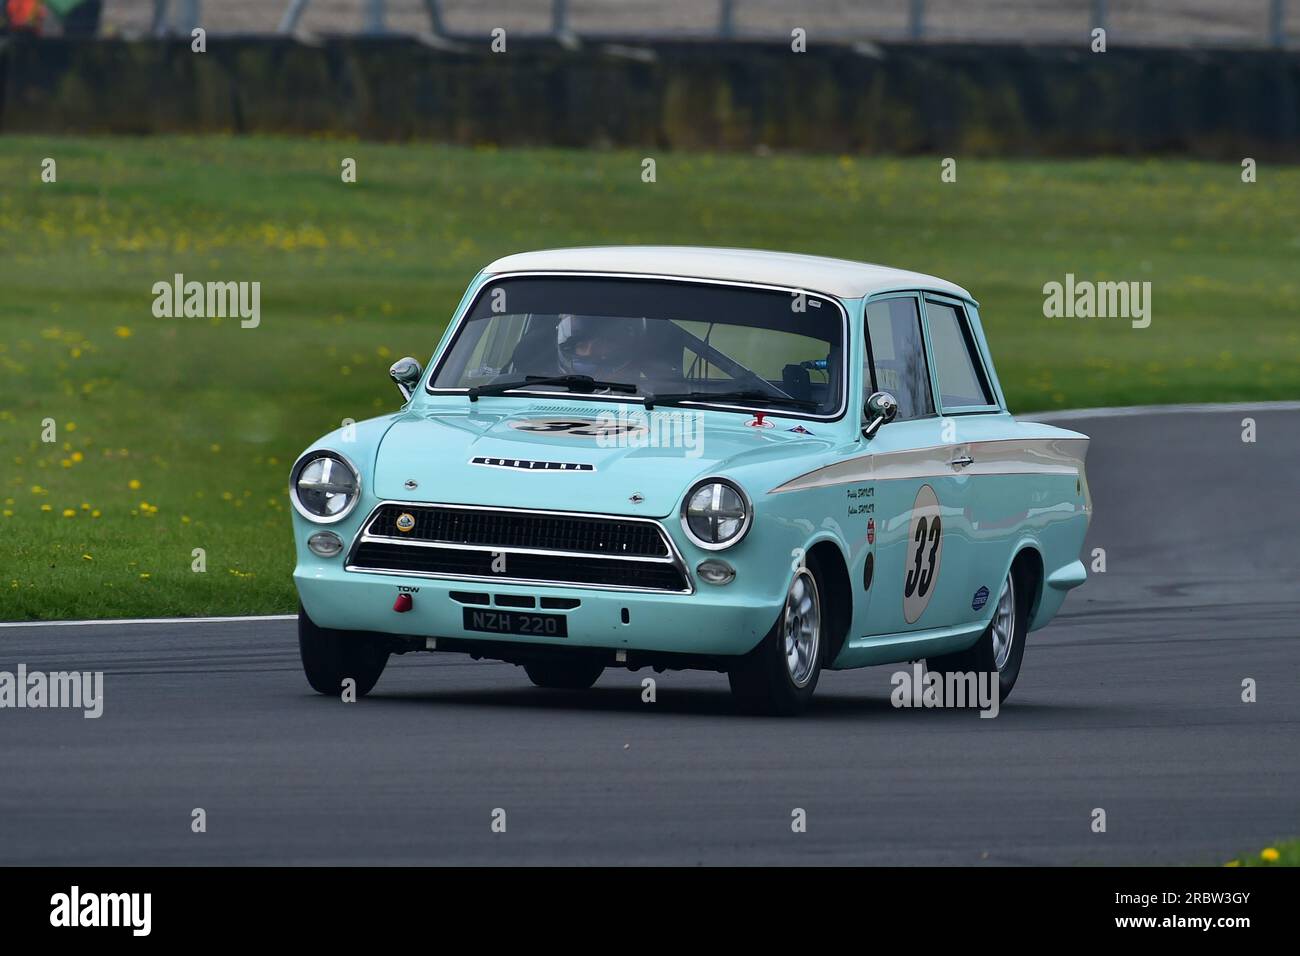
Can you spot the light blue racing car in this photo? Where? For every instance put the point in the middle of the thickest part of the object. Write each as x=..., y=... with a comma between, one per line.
x=748, y=462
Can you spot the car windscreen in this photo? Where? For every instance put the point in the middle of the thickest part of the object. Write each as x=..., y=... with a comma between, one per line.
x=660, y=336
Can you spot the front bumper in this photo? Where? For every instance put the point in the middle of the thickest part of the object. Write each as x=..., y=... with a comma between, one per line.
x=718, y=621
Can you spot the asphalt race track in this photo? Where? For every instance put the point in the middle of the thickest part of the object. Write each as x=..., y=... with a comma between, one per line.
x=1130, y=701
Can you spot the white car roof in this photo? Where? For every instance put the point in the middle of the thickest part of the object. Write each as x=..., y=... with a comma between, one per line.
x=838, y=277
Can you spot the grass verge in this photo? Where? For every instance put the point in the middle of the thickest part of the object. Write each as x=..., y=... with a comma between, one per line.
x=176, y=434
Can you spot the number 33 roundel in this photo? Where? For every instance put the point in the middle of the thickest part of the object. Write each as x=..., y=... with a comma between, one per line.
x=924, y=551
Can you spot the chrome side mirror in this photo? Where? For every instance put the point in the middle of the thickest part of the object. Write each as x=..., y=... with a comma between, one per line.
x=879, y=409
x=406, y=373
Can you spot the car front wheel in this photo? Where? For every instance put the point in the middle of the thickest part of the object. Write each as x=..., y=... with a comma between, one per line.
x=1001, y=648
x=330, y=657
x=779, y=676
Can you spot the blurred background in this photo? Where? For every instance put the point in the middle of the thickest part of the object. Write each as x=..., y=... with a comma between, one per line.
x=130, y=153
x=1256, y=22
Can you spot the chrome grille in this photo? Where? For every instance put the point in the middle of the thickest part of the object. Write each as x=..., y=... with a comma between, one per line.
x=534, y=530
x=543, y=547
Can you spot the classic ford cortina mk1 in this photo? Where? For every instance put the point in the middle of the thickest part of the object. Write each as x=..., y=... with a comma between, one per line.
x=747, y=462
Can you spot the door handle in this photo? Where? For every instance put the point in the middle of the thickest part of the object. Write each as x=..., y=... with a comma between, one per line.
x=961, y=461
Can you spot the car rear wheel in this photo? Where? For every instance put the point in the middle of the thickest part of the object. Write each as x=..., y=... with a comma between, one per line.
x=330, y=657
x=1001, y=648
x=564, y=675
x=780, y=675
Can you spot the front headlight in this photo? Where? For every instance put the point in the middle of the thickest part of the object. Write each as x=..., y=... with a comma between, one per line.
x=716, y=514
x=324, y=486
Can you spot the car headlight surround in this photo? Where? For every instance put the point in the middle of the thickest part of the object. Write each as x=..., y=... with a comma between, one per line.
x=716, y=514
x=324, y=486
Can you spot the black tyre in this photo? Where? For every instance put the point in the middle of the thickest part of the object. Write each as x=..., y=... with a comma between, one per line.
x=331, y=657
x=564, y=675
x=780, y=675
x=1001, y=648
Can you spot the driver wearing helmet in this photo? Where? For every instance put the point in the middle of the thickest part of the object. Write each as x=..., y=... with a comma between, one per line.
x=604, y=347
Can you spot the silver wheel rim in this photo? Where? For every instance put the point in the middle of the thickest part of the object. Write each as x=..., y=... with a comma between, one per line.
x=1004, y=624
x=802, y=628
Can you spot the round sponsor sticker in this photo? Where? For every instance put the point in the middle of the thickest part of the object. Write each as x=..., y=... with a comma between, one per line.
x=405, y=521
x=924, y=552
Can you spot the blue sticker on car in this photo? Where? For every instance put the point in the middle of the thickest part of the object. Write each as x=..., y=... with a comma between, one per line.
x=980, y=599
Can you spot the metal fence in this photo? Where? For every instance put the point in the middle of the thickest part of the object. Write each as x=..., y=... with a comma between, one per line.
x=1179, y=22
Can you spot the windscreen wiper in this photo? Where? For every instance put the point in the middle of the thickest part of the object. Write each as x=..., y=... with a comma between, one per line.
x=750, y=395
x=575, y=383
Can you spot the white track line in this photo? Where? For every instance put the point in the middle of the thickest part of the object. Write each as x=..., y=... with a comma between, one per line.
x=1132, y=411
x=1129, y=411
x=153, y=620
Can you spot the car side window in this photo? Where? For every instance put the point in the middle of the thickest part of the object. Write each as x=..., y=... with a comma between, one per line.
x=956, y=361
x=897, y=352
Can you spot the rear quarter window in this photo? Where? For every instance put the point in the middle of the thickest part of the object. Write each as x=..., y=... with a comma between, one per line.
x=957, y=364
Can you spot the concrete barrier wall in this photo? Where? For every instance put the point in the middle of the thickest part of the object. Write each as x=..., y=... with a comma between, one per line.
x=901, y=98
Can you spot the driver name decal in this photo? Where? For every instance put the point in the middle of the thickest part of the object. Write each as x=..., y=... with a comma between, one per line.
x=860, y=500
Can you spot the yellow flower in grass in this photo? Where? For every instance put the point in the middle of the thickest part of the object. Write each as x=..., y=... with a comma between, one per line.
x=1269, y=855
x=134, y=484
x=122, y=332
x=78, y=456
x=85, y=507
x=144, y=576
x=86, y=557
x=96, y=513
x=69, y=513
x=8, y=513
x=46, y=508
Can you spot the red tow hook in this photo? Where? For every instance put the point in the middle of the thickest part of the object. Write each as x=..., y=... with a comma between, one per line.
x=403, y=603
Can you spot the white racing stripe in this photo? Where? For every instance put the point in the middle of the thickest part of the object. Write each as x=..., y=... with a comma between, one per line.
x=152, y=620
x=1002, y=456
